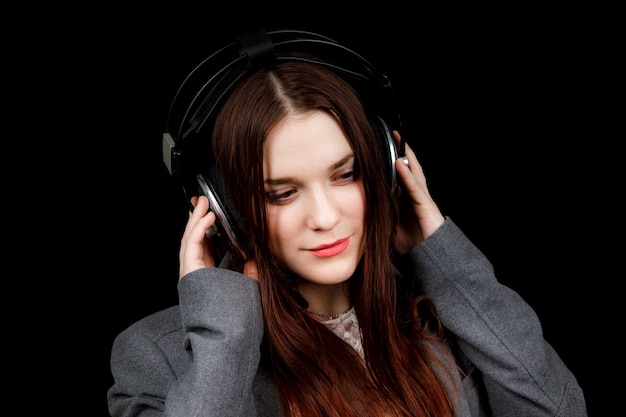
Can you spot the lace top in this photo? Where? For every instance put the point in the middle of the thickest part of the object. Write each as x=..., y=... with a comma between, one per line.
x=346, y=326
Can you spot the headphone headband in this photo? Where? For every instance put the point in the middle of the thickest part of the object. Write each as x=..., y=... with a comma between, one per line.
x=219, y=73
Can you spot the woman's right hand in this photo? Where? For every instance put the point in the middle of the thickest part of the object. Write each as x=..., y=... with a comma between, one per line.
x=196, y=249
x=420, y=216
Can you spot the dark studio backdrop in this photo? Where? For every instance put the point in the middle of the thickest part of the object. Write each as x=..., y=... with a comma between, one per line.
x=494, y=107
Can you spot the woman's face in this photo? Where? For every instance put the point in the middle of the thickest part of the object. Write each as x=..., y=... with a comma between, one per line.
x=314, y=197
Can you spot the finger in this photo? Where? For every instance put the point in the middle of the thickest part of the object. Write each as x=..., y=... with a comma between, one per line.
x=200, y=220
x=250, y=270
x=196, y=250
x=201, y=206
x=409, y=155
x=412, y=175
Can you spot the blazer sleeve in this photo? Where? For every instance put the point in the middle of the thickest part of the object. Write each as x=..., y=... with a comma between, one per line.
x=215, y=361
x=496, y=329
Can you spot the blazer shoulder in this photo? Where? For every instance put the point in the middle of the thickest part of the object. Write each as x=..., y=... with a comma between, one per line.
x=157, y=325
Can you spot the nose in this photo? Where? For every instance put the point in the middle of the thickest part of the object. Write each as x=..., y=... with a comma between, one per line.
x=323, y=210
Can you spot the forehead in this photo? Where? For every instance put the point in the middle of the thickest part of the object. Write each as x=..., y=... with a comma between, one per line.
x=312, y=140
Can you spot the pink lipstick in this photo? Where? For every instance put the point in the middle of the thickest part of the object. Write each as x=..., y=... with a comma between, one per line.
x=335, y=248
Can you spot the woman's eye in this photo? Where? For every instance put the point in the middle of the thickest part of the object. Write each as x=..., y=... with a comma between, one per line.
x=279, y=197
x=347, y=176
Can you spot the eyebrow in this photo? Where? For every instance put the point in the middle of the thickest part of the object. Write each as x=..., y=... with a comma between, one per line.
x=285, y=180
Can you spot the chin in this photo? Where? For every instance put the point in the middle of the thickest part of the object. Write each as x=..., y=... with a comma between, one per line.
x=331, y=273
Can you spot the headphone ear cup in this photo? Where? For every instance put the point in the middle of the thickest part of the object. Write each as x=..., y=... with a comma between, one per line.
x=388, y=149
x=228, y=233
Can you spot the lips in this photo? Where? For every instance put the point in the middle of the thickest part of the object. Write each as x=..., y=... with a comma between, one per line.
x=335, y=248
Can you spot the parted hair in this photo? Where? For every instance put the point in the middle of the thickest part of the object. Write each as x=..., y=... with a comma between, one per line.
x=316, y=372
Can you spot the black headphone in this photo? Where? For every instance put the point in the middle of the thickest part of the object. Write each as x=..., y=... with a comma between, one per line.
x=205, y=89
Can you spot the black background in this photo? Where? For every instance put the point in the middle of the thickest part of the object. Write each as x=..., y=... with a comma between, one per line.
x=505, y=118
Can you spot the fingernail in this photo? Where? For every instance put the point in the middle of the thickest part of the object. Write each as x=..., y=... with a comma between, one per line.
x=211, y=231
x=405, y=160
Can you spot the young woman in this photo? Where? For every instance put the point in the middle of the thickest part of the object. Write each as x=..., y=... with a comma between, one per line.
x=355, y=299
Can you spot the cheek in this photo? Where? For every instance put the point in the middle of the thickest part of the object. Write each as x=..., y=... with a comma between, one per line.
x=356, y=212
x=278, y=221
x=354, y=204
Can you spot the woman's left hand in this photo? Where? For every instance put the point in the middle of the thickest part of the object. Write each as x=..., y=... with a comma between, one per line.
x=419, y=215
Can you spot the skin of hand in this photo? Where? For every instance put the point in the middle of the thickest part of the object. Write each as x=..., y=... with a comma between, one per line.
x=420, y=216
x=196, y=250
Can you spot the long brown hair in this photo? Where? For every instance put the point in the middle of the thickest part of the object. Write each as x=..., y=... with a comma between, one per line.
x=316, y=372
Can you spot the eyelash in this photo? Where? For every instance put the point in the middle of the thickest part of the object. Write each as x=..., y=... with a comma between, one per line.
x=280, y=198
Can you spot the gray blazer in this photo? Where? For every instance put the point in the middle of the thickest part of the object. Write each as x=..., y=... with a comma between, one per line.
x=201, y=357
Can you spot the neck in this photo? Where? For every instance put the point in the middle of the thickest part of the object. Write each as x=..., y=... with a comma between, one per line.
x=326, y=300
x=326, y=317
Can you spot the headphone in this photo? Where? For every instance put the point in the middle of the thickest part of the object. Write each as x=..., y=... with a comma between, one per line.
x=205, y=89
